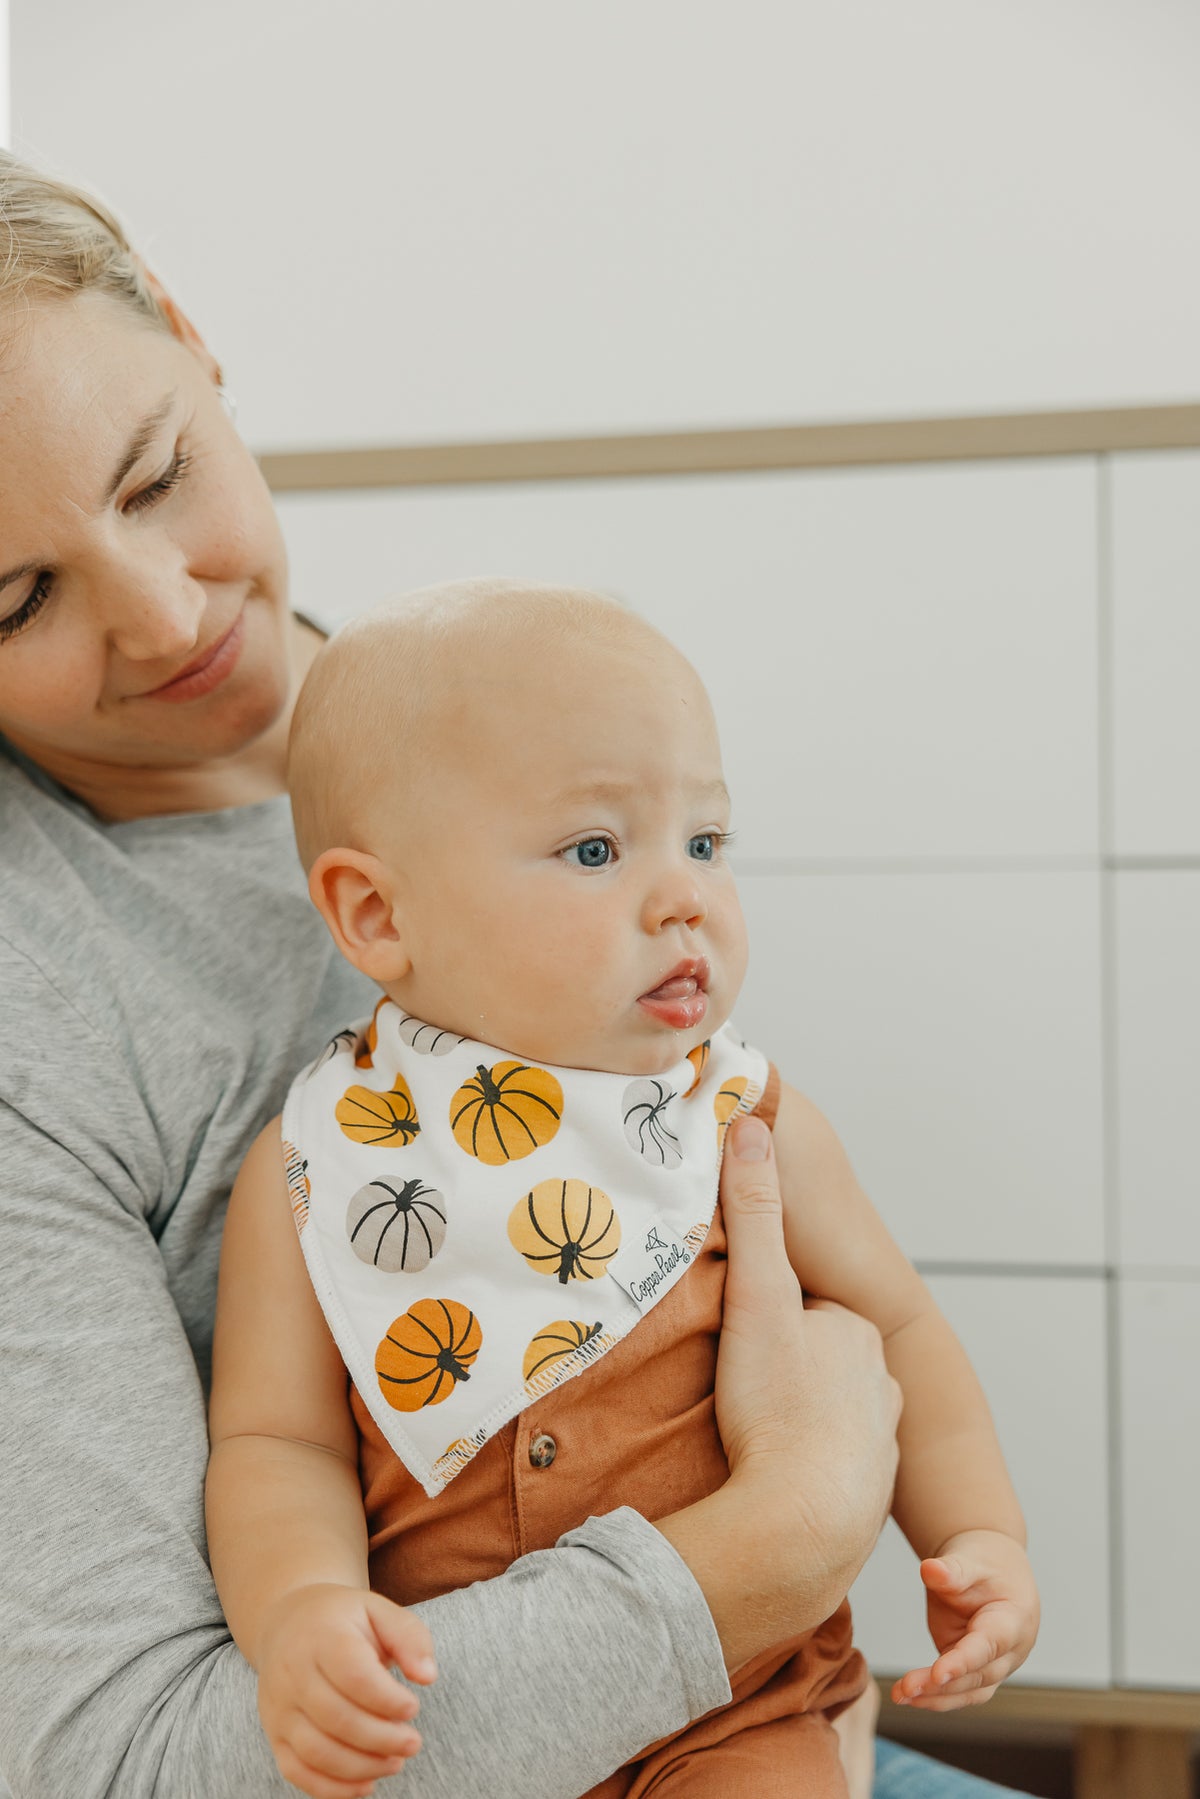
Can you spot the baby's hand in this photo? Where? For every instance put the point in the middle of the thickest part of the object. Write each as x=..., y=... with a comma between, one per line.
x=983, y=1611
x=337, y=1720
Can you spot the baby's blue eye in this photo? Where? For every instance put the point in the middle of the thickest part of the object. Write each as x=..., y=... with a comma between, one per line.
x=704, y=847
x=593, y=852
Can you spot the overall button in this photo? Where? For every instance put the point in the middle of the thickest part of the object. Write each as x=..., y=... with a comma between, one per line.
x=542, y=1450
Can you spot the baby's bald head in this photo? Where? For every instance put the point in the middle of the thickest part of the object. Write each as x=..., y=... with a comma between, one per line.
x=406, y=688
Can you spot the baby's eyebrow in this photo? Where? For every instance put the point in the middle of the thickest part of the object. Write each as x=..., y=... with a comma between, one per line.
x=613, y=792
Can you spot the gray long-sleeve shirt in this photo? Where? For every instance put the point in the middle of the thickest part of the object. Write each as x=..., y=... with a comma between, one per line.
x=160, y=981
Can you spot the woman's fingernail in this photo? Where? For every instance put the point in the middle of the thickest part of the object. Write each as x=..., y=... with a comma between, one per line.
x=751, y=1140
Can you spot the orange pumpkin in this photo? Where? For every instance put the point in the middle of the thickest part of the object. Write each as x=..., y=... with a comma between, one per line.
x=506, y=1112
x=366, y=1049
x=379, y=1118
x=565, y=1228
x=299, y=1186
x=426, y=1352
x=698, y=1058
x=555, y=1342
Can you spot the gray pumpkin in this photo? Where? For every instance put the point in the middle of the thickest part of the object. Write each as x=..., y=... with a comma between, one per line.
x=396, y=1225
x=426, y=1039
x=646, y=1130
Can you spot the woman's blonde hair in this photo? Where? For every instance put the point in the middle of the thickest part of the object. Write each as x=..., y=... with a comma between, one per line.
x=55, y=239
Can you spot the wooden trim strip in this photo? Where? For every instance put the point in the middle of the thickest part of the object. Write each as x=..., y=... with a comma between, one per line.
x=872, y=443
x=1127, y=1707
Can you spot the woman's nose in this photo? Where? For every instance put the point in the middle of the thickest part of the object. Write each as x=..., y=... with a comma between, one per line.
x=150, y=607
x=676, y=897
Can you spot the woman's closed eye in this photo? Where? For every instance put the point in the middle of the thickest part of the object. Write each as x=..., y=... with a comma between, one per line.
x=28, y=610
x=158, y=490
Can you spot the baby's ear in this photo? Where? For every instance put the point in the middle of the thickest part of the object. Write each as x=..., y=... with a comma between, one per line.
x=356, y=896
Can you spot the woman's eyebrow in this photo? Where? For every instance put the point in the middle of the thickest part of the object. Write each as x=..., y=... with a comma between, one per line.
x=139, y=443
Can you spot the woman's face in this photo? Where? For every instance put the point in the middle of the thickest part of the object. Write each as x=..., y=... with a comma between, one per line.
x=143, y=578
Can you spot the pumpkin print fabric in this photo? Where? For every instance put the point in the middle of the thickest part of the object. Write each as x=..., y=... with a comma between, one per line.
x=567, y=1229
x=445, y=1191
x=646, y=1122
x=425, y=1353
x=506, y=1112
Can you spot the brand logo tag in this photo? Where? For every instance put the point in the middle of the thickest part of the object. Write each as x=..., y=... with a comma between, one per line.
x=651, y=1263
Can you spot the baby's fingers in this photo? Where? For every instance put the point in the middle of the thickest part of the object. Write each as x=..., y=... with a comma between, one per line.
x=349, y=1665
x=328, y=1769
x=934, y=1701
x=347, y=1722
x=403, y=1638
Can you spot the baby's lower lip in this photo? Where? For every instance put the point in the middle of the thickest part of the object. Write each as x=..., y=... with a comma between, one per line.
x=681, y=1004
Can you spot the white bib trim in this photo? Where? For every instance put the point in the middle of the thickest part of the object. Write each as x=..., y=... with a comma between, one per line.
x=479, y=1230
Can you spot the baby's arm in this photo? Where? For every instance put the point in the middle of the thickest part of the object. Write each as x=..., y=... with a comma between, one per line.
x=286, y=1532
x=953, y=1500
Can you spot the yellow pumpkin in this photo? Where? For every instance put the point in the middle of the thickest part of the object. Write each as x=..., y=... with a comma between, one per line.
x=554, y=1343
x=426, y=1352
x=506, y=1112
x=566, y=1228
x=388, y=1118
x=727, y=1104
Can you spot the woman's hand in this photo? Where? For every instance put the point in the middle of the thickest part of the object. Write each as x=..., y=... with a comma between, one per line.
x=807, y=1413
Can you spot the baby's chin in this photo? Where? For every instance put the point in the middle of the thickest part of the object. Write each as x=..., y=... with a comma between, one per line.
x=640, y=1053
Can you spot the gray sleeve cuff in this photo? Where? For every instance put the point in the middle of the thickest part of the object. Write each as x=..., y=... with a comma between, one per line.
x=608, y=1630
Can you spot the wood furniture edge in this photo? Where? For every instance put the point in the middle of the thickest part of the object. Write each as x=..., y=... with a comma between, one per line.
x=1132, y=1707
x=855, y=444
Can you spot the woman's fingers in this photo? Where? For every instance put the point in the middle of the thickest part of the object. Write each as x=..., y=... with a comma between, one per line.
x=805, y=1404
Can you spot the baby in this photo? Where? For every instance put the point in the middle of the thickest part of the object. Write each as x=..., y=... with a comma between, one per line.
x=511, y=805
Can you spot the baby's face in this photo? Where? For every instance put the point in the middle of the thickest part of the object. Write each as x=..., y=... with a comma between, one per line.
x=565, y=892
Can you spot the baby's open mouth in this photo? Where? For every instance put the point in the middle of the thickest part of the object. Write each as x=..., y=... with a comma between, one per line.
x=680, y=1000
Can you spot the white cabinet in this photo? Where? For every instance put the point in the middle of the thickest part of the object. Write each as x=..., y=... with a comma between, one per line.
x=1159, y=1326
x=1039, y=1348
x=903, y=661
x=1158, y=1062
x=949, y=1024
x=1155, y=503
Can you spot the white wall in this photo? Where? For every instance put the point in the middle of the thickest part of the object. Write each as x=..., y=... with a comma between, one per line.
x=401, y=222
x=4, y=94
x=958, y=702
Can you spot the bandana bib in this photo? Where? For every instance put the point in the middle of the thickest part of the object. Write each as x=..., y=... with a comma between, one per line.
x=479, y=1229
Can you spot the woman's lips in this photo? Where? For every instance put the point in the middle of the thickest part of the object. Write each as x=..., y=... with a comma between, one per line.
x=207, y=671
x=680, y=1001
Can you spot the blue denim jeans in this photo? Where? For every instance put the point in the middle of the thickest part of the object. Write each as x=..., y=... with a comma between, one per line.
x=903, y=1774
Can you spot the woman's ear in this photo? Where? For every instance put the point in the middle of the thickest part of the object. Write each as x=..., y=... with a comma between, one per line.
x=356, y=896
x=182, y=327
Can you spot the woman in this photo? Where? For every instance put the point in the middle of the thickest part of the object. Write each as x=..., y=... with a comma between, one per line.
x=162, y=975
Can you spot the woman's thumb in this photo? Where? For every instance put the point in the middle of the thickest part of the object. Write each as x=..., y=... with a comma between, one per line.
x=750, y=1201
